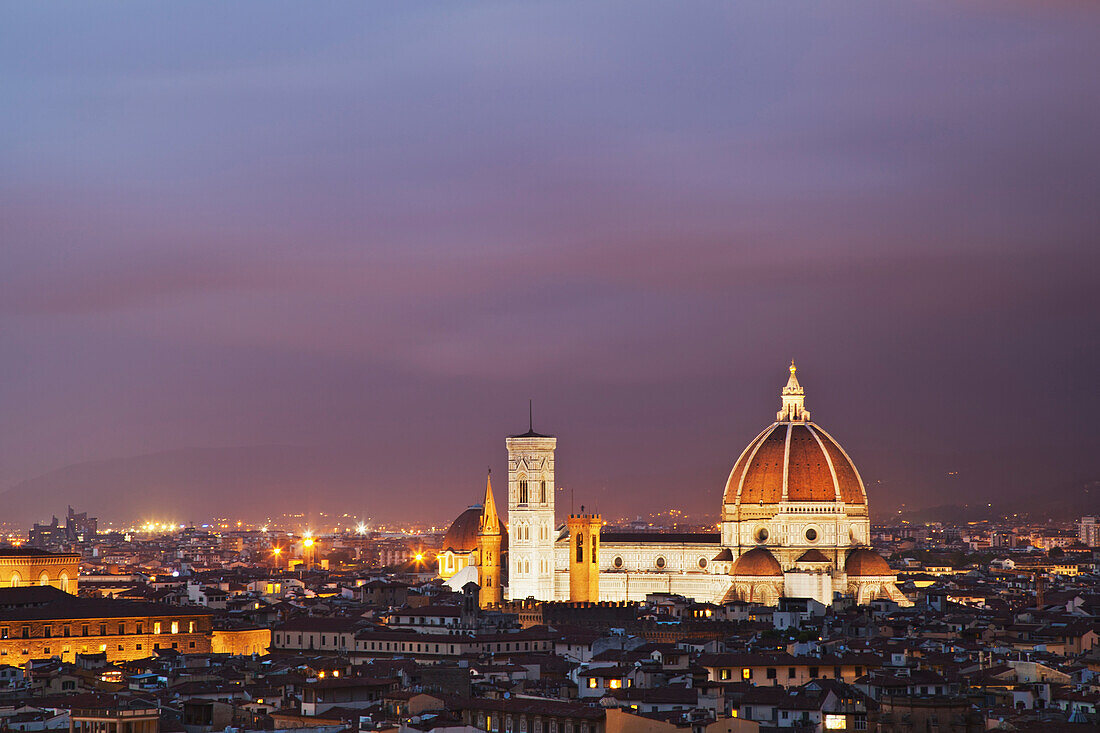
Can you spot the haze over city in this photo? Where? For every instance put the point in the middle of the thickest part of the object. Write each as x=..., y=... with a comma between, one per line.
x=315, y=261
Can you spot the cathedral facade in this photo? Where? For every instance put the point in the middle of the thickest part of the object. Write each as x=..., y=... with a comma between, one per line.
x=794, y=523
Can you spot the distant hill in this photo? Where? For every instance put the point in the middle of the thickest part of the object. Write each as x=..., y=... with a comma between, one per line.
x=257, y=482
x=196, y=483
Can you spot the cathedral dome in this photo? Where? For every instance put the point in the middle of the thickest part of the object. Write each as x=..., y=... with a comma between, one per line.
x=758, y=562
x=794, y=460
x=866, y=562
x=461, y=536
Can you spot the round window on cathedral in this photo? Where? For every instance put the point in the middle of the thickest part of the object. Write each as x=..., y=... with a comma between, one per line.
x=762, y=535
x=617, y=562
x=661, y=563
x=811, y=534
x=702, y=563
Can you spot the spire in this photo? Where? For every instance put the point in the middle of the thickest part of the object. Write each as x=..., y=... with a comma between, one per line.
x=793, y=408
x=530, y=416
x=490, y=522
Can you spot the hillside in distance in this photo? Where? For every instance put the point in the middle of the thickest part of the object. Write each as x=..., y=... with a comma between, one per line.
x=255, y=483
x=195, y=484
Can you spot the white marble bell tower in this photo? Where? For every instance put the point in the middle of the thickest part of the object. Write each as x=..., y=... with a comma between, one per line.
x=531, y=526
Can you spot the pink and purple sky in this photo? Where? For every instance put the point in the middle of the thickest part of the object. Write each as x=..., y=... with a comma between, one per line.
x=366, y=234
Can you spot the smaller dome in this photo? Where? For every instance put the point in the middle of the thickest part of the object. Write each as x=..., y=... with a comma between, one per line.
x=759, y=562
x=813, y=555
x=462, y=535
x=866, y=562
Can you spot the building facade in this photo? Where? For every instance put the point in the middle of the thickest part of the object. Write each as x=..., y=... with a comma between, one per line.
x=532, y=568
x=42, y=622
x=25, y=566
x=1088, y=531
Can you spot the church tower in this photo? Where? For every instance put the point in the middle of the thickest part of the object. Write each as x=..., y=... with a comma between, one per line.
x=531, y=526
x=488, y=546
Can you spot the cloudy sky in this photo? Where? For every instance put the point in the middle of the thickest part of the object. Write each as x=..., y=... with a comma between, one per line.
x=379, y=229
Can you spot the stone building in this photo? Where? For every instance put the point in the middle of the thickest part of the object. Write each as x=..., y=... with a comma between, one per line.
x=41, y=622
x=27, y=566
x=475, y=549
x=794, y=522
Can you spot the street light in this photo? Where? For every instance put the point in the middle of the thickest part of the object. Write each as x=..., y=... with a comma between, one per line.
x=307, y=544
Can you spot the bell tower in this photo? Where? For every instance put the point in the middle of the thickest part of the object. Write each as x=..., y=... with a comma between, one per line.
x=531, y=526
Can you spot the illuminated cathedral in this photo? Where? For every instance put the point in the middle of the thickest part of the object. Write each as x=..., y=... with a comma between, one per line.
x=794, y=523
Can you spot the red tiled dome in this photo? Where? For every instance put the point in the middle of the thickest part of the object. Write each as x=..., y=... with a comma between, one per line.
x=758, y=562
x=797, y=459
x=794, y=460
x=866, y=562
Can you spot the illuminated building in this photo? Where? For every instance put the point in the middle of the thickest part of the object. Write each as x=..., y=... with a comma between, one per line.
x=794, y=523
x=26, y=566
x=1088, y=532
x=473, y=548
x=41, y=622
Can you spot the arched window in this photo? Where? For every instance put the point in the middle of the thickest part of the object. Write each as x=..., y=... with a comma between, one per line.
x=580, y=547
x=543, y=492
x=593, y=556
x=16, y=581
x=63, y=581
x=523, y=491
x=43, y=579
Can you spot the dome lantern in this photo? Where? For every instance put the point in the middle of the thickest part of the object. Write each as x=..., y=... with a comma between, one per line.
x=794, y=400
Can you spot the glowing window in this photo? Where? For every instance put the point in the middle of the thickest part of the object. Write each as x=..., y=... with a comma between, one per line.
x=591, y=683
x=746, y=673
x=615, y=684
x=175, y=627
x=835, y=722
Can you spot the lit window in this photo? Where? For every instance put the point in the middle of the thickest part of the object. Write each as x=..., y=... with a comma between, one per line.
x=591, y=683
x=615, y=684
x=746, y=673
x=835, y=722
